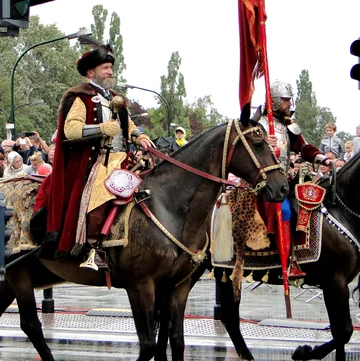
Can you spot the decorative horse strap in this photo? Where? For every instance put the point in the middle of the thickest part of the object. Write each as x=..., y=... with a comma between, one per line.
x=199, y=256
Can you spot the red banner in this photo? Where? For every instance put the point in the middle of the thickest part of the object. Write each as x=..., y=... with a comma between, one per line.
x=251, y=49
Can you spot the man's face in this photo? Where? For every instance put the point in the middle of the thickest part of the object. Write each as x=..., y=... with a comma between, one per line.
x=285, y=107
x=102, y=75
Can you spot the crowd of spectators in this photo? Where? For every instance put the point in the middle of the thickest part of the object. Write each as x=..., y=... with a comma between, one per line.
x=27, y=154
x=333, y=148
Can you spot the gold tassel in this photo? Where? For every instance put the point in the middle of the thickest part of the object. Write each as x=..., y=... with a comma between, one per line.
x=265, y=278
x=224, y=277
x=211, y=275
x=223, y=239
x=249, y=278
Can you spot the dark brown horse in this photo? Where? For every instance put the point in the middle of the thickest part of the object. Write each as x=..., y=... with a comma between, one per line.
x=155, y=271
x=337, y=266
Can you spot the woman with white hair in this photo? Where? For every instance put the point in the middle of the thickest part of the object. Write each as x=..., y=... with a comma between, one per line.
x=15, y=166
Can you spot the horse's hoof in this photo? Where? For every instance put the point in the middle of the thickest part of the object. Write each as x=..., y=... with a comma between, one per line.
x=302, y=353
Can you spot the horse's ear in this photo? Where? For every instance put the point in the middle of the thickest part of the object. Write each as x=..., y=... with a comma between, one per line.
x=245, y=115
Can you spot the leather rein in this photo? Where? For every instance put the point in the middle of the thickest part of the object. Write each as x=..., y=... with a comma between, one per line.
x=227, y=156
x=198, y=256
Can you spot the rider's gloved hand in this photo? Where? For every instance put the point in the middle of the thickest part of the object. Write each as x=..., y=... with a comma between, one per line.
x=110, y=128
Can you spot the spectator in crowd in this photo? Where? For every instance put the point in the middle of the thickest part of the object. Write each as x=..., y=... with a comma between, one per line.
x=356, y=147
x=339, y=163
x=24, y=147
x=15, y=166
x=180, y=135
x=37, y=161
x=2, y=164
x=51, y=154
x=330, y=155
x=40, y=145
x=349, y=145
x=332, y=143
x=7, y=144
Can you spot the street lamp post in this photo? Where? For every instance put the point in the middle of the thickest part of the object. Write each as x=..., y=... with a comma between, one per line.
x=76, y=35
x=35, y=102
x=127, y=86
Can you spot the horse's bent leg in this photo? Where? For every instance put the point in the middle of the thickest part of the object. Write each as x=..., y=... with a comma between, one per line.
x=142, y=301
x=21, y=283
x=230, y=316
x=336, y=299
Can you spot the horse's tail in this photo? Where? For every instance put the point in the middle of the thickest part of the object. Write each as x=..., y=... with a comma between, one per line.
x=357, y=289
x=160, y=302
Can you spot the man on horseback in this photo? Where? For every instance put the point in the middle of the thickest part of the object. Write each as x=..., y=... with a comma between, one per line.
x=94, y=131
x=287, y=138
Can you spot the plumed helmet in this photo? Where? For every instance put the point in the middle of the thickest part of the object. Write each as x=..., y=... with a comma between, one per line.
x=91, y=59
x=280, y=90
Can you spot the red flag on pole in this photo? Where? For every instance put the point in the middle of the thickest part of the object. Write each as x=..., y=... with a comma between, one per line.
x=254, y=64
x=251, y=49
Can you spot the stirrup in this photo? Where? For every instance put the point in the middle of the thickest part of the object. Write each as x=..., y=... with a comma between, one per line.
x=90, y=262
x=295, y=271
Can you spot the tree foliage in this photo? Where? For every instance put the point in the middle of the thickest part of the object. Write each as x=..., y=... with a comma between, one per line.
x=311, y=117
x=44, y=72
x=115, y=39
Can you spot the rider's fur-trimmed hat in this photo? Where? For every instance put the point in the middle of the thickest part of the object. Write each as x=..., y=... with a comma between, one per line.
x=91, y=59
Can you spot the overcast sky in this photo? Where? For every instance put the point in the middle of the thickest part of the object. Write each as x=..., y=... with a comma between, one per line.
x=302, y=34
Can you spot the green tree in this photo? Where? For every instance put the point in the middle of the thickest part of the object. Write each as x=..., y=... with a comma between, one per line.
x=173, y=90
x=306, y=108
x=45, y=73
x=115, y=39
x=98, y=28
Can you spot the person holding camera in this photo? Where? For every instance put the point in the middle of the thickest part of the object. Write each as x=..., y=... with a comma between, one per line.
x=24, y=147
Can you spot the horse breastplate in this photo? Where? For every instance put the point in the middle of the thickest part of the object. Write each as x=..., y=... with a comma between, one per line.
x=283, y=140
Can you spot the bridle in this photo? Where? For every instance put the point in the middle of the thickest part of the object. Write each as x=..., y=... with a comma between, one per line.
x=227, y=157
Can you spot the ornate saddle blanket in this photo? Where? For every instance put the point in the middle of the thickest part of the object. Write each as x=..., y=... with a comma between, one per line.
x=20, y=193
x=307, y=244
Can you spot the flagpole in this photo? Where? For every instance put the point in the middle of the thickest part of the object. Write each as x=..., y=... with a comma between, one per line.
x=280, y=241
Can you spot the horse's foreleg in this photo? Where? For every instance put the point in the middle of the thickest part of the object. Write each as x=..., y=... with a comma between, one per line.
x=336, y=299
x=7, y=296
x=230, y=316
x=21, y=283
x=142, y=301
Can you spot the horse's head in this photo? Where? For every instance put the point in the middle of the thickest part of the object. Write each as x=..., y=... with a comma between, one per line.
x=251, y=158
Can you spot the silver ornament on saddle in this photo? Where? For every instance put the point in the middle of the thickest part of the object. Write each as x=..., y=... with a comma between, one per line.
x=90, y=262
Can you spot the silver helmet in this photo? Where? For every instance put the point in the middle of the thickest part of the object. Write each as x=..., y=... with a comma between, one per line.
x=280, y=90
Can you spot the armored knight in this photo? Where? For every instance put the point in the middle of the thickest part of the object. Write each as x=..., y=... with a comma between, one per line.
x=287, y=138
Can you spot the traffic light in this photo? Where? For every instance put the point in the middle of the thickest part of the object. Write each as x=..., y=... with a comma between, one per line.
x=355, y=70
x=14, y=14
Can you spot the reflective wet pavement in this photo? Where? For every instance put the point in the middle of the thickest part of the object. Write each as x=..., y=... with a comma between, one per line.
x=96, y=324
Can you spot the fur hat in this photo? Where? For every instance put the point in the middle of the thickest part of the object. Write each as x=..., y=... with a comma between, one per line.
x=91, y=59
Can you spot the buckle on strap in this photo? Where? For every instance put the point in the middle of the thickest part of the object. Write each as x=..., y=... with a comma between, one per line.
x=142, y=196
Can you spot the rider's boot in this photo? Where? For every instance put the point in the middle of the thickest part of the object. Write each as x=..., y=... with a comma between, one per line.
x=97, y=258
x=294, y=268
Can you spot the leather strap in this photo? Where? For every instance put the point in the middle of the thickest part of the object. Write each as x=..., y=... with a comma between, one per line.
x=189, y=168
